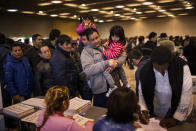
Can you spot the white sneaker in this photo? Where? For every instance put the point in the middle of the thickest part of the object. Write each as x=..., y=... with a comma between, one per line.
x=110, y=91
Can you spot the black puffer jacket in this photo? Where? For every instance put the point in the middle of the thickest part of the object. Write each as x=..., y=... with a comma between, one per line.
x=64, y=71
x=33, y=57
x=43, y=78
x=4, y=51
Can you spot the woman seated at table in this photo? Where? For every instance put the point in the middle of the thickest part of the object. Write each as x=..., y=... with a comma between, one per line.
x=122, y=106
x=52, y=119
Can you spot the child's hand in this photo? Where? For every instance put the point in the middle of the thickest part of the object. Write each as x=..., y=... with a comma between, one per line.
x=106, y=43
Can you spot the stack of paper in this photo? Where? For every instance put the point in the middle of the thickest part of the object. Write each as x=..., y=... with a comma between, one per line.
x=18, y=110
x=81, y=120
x=153, y=125
x=36, y=102
x=32, y=118
x=77, y=105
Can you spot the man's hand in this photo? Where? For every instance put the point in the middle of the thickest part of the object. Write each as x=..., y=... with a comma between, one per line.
x=168, y=122
x=113, y=63
x=17, y=98
x=144, y=117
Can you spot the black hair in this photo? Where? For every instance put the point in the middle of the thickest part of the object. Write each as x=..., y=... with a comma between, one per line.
x=15, y=44
x=39, y=50
x=163, y=35
x=2, y=38
x=161, y=55
x=121, y=105
x=88, y=16
x=54, y=33
x=152, y=35
x=34, y=37
x=118, y=31
x=141, y=39
x=90, y=31
x=83, y=33
x=135, y=54
x=63, y=39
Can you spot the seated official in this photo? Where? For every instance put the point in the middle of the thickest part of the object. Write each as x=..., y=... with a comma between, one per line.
x=122, y=106
x=52, y=119
x=165, y=87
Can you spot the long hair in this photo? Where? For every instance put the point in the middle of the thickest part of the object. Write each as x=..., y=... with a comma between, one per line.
x=54, y=99
x=118, y=31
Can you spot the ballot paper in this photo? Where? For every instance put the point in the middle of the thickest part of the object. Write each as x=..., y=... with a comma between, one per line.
x=18, y=110
x=153, y=125
x=81, y=120
x=32, y=118
x=36, y=102
x=77, y=105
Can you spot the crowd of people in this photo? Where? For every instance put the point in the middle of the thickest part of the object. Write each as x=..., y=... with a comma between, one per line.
x=59, y=69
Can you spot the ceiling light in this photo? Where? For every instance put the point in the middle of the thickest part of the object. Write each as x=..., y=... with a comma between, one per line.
x=83, y=4
x=183, y=14
x=71, y=5
x=41, y=13
x=27, y=12
x=68, y=0
x=44, y=4
x=12, y=10
x=171, y=15
x=101, y=21
x=120, y=6
x=56, y=1
x=188, y=8
x=53, y=15
x=132, y=18
x=165, y=1
x=133, y=5
x=138, y=13
x=150, y=11
x=161, y=16
x=147, y=3
x=173, y=9
x=75, y=16
x=64, y=13
x=108, y=8
x=95, y=20
x=162, y=10
x=94, y=9
x=116, y=14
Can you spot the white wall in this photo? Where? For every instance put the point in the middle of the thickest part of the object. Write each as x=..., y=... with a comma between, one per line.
x=172, y=26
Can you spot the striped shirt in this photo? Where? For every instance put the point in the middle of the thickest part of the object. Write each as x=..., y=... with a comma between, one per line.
x=113, y=51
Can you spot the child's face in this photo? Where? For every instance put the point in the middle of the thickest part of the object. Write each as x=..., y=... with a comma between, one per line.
x=115, y=38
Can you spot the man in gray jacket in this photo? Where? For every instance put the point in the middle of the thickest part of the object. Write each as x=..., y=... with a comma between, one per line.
x=94, y=66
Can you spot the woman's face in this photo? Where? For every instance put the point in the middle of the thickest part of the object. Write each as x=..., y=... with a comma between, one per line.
x=115, y=38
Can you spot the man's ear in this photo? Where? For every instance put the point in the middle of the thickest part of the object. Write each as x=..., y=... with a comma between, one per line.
x=40, y=54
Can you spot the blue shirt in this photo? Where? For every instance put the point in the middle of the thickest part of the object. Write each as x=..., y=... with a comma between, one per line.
x=105, y=124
